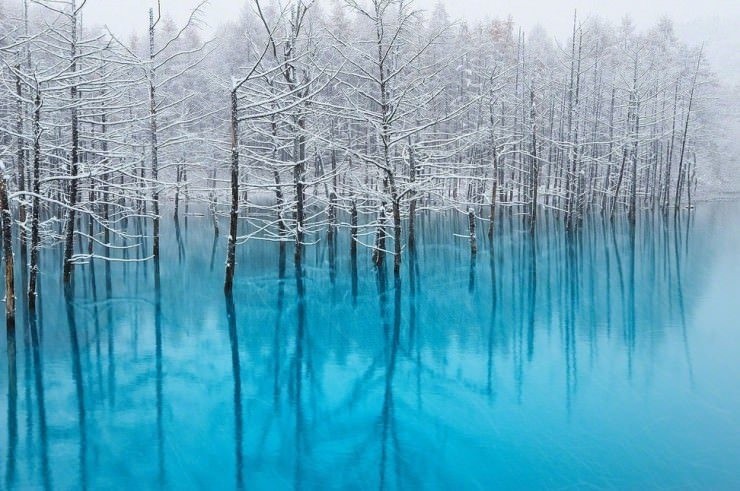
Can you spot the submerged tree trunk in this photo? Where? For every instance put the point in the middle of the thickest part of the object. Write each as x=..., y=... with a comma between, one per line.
x=494, y=193
x=74, y=156
x=681, y=177
x=21, y=163
x=396, y=234
x=412, y=203
x=106, y=189
x=669, y=157
x=153, y=138
x=333, y=193
x=7, y=224
x=298, y=171
x=471, y=228
x=635, y=146
x=36, y=188
x=234, y=215
x=534, y=167
x=379, y=252
x=353, y=225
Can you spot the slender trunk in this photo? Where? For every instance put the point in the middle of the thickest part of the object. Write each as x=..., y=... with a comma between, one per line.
x=36, y=188
x=21, y=162
x=569, y=151
x=535, y=166
x=333, y=193
x=494, y=191
x=74, y=156
x=153, y=138
x=299, y=148
x=178, y=180
x=635, y=146
x=353, y=225
x=396, y=234
x=471, y=229
x=234, y=215
x=7, y=224
x=412, y=201
x=681, y=177
x=379, y=252
x=669, y=157
x=106, y=191
x=607, y=177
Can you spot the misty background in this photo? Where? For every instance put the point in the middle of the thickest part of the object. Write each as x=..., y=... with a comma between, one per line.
x=710, y=23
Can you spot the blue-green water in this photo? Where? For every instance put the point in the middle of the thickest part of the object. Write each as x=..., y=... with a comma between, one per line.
x=605, y=359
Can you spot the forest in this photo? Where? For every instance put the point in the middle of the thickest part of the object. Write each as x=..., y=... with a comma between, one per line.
x=367, y=244
x=303, y=121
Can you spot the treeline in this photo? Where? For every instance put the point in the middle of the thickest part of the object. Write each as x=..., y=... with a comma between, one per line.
x=317, y=118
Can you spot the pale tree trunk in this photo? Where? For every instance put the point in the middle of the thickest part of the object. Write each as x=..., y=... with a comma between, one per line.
x=669, y=157
x=412, y=203
x=535, y=166
x=35, y=211
x=380, y=239
x=21, y=162
x=635, y=147
x=681, y=177
x=153, y=137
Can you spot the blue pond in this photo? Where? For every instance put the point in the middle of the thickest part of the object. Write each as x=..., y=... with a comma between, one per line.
x=607, y=358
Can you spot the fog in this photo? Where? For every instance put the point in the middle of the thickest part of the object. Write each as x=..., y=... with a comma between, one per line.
x=712, y=22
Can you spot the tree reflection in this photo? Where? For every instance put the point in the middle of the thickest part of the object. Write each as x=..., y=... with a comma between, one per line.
x=79, y=384
x=10, y=468
x=346, y=392
x=38, y=378
x=297, y=382
x=158, y=382
x=389, y=434
x=236, y=373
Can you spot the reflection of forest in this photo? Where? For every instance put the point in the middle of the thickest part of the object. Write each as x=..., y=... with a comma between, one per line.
x=328, y=371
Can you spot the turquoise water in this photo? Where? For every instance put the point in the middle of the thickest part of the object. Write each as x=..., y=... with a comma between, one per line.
x=604, y=359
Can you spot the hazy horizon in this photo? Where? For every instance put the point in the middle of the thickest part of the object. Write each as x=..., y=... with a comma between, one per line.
x=714, y=24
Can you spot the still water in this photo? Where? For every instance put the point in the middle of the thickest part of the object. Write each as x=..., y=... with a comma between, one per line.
x=608, y=359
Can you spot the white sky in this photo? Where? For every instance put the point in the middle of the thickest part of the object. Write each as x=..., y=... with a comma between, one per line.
x=715, y=22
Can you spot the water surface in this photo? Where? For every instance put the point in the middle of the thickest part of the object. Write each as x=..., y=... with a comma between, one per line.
x=604, y=358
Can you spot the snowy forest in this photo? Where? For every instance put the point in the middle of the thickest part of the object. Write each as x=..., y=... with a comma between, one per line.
x=369, y=244
x=301, y=121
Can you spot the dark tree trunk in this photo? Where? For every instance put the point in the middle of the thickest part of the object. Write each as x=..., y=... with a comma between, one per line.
x=73, y=160
x=234, y=215
x=7, y=223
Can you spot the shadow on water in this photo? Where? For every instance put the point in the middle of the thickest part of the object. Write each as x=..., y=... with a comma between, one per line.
x=459, y=370
x=77, y=375
x=389, y=434
x=236, y=371
x=158, y=377
x=10, y=468
x=299, y=360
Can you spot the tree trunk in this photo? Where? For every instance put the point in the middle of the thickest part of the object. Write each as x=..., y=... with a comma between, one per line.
x=36, y=188
x=234, y=215
x=7, y=224
x=680, y=177
x=153, y=138
x=21, y=162
x=471, y=228
x=74, y=157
